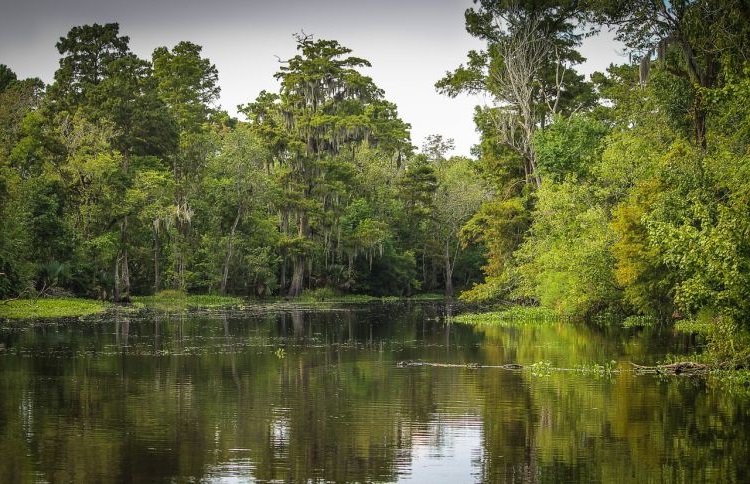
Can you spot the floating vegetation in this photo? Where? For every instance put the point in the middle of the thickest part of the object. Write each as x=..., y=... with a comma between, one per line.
x=515, y=315
x=51, y=308
x=607, y=369
x=541, y=368
x=640, y=322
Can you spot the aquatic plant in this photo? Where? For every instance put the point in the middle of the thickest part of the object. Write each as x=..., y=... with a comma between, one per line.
x=515, y=315
x=639, y=322
x=50, y=308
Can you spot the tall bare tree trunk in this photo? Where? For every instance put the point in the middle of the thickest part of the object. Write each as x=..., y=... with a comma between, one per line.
x=116, y=293
x=448, y=271
x=157, y=276
x=125, y=290
x=230, y=249
x=125, y=293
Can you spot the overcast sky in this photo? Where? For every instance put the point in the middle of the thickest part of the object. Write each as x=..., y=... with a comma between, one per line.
x=410, y=43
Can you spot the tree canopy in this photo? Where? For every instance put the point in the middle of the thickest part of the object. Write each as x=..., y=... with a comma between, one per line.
x=622, y=194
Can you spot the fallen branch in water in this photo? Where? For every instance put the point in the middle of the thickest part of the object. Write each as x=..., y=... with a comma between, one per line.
x=409, y=363
x=680, y=368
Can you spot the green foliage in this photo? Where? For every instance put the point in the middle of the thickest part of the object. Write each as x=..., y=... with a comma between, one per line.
x=639, y=322
x=525, y=68
x=457, y=199
x=325, y=112
x=696, y=326
x=639, y=267
x=87, y=53
x=318, y=295
x=698, y=225
x=569, y=147
x=500, y=225
x=566, y=261
x=395, y=273
x=727, y=343
x=187, y=83
x=7, y=77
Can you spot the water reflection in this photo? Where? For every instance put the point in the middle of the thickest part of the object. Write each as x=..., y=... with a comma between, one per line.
x=295, y=395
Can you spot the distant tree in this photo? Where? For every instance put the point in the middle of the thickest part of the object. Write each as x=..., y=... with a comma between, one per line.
x=6, y=77
x=101, y=83
x=435, y=147
x=86, y=53
x=188, y=84
x=458, y=197
x=328, y=109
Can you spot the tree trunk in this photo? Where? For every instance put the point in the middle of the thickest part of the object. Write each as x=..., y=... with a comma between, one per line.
x=433, y=273
x=157, y=278
x=116, y=292
x=124, y=293
x=699, y=121
x=179, y=281
x=299, y=261
x=298, y=276
x=448, y=271
x=230, y=247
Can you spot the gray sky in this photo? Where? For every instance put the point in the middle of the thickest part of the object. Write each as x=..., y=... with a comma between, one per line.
x=410, y=43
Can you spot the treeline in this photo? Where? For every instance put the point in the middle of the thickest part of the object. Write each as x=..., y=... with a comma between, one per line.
x=624, y=193
x=628, y=193
x=124, y=177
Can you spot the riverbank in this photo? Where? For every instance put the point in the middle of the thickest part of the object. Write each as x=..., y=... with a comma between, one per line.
x=724, y=345
x=173, y=301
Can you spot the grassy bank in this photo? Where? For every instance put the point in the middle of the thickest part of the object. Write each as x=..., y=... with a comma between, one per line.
x=167, y=301
x=178, y=301
x=329, y=295
x=50, y=308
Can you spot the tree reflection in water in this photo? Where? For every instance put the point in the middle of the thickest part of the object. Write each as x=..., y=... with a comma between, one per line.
x=209, y=396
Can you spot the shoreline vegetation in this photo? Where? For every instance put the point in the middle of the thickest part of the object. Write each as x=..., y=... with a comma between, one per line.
x=170, y=300
x=726, y=353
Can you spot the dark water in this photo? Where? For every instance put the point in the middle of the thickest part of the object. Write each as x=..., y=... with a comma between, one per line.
x=295, y=395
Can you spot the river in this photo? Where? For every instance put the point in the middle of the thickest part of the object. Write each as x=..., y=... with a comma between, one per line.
x=286, y=393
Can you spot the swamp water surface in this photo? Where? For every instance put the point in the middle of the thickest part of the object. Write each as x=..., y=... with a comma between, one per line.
x=294, y=394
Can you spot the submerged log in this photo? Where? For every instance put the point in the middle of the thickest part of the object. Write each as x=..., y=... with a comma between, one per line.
x=679, y=368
